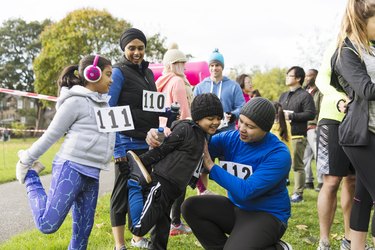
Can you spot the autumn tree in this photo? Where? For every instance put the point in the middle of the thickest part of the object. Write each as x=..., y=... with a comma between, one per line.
x=19, y=45
x=270, y=83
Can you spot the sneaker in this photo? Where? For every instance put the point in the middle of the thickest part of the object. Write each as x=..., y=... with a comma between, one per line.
x=320, y=185
x=324, y=246
x=309, y=185
x=180, y=229
x=121, y=248
x=21, y=171
x=208, y=192
x=38, y=167
x=296, y=198
x=143, y=243
x=284, y=245
x=138, y=171
x=345, y=244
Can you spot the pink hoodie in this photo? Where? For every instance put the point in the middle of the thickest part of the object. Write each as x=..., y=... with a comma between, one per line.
x=176, y=89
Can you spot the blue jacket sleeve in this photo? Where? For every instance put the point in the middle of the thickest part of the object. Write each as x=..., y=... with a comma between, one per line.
x=268, y=174
x=116, y=86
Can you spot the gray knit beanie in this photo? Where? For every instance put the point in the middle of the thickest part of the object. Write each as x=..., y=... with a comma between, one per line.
x=261, y=111
x=205, y=105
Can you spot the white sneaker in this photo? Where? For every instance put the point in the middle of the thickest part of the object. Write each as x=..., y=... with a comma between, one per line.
x=285, y=245
x=143, y=243
x=208, y=192
x=21, y=171
x=38, y=167
x=324, y=246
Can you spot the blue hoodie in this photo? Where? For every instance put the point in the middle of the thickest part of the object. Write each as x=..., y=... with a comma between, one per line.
x=265, y=190
x=231, y=96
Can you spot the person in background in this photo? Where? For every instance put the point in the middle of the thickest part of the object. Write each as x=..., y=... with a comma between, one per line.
x=332, y=161
x=281, y=128
x=310, y=150
x=299, y=108
x=231, y=96
x=173, y=82
x=256, y=212
x=83, y=154
x=131, y=76
x=246, y=85
x=255, y=93
x=353, y=71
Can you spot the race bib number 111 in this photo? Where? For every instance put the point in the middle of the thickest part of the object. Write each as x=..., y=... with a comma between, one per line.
x=114, y=119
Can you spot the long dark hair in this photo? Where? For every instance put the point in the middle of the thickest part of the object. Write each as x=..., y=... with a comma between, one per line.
x=69, y=77
x=241, y=80
x=281, y=118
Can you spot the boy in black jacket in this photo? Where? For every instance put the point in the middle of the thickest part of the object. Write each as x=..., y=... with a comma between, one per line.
x=177, y=161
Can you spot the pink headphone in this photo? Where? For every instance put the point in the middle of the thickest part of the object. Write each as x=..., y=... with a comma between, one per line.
x=93, y=73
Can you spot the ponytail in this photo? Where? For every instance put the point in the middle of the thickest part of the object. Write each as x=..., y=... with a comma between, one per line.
x=68, y=77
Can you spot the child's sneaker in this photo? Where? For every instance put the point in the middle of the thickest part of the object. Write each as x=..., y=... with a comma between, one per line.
x=324, y=246
x=138, y=171
x=21, y=171
x=283, y=245
x=180, y=229
x=38, y=167
x=143, y=243
x=208, y=192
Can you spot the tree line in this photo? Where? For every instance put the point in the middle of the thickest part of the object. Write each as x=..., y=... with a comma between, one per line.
x=32, y=54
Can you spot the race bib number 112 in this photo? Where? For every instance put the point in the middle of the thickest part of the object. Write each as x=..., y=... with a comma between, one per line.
x=239, y=170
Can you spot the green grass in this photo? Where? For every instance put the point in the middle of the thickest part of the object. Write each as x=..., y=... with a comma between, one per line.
x=302, y=233
x=9, y=158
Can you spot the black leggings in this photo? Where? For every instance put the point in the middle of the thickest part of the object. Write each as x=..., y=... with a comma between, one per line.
x=363, y=160
x=213, y=217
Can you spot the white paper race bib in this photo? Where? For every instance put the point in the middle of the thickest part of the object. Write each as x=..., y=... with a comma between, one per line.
x=113, y=119
x=239, y=170
x=197, y=170
x=153, y=101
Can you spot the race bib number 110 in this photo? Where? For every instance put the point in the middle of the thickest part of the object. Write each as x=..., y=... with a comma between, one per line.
x=114, y=119
x=239, y=170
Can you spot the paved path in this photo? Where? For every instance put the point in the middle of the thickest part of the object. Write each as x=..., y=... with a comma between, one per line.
x=15, y=214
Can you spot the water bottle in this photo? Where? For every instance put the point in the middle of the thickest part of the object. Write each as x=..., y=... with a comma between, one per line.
x=161, y=135
x=174, y=113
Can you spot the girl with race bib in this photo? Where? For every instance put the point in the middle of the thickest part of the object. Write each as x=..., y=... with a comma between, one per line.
x=83, y=154
x=256, y=212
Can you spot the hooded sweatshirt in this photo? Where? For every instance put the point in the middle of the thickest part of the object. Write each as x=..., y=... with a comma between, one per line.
x=177, y=90
x=75, y=116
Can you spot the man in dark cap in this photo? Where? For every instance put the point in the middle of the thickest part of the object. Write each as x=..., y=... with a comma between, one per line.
x=256, y=164
x=131, y=76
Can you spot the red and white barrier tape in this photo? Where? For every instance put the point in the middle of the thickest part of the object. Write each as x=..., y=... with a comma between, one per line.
x=24, y=130
x=28, y=94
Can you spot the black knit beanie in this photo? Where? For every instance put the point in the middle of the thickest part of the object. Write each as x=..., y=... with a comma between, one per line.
x=205, y=105
x=261, y=111
x=131, y=34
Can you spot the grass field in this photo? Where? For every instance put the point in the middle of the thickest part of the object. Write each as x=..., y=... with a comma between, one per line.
x=302, y=233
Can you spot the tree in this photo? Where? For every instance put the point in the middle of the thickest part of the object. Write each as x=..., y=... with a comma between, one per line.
x=270, y=83
x=19, y=45
x=155, y=49
x=82, y=32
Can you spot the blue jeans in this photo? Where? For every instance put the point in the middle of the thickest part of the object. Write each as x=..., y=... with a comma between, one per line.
x=69, y=188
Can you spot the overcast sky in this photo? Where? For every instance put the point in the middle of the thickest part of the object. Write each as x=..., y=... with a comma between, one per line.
x=249, y=32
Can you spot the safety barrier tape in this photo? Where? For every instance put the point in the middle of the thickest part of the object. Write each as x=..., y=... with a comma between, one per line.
x=28, y=94
x=24, y=130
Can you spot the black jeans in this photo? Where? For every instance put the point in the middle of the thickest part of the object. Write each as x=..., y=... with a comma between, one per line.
x=213, y=217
